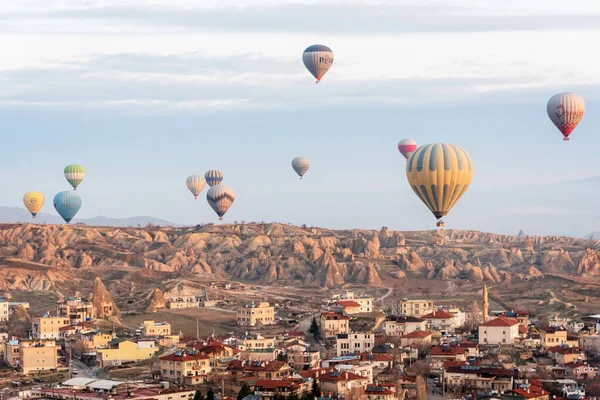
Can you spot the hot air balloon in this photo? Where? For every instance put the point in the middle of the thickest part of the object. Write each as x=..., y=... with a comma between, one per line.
x=34, y=201
x=565, y=111
x=439, y=174
x=74, y=174
x=220, y=199
x=317, y=59
x=67, y=205
x=301, y=165
x=407, y=147
x=213, y=177
x=196, y=184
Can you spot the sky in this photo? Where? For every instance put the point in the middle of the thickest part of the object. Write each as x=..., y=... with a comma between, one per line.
x=145, y=93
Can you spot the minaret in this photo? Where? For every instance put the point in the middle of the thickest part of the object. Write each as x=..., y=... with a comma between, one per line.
x=485, y=303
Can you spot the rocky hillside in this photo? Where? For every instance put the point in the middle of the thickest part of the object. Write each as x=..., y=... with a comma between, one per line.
x=48, y=257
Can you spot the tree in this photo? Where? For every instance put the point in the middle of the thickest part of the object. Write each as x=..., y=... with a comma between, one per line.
x=244, y=391
x=314, y=328
x=315, y=391
x=292, y=396
x=210, y=395
x=198, y=395
x=474, y=312
x=282, y=357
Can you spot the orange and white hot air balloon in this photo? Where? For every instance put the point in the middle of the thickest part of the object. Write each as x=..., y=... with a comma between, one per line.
x=565, y=111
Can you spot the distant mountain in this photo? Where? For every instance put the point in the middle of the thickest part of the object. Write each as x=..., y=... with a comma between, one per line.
x=15, y=214
x=592, y=236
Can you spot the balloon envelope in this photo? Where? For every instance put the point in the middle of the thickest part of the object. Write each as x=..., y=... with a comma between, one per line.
x=301, y=165
x=74, y=174
x=213, y=177
x=196, y=184
x=317, y=59
x=407, y=147
x=566, y=111
x=220, y=199
x=439, y=174
x=67, y=204
x=34, y=201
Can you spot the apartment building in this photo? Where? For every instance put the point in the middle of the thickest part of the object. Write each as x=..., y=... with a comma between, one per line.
x=332, y=324
x=252, y=313
x=155, y=329
x=416, y=308
x=354, y=342
x=38, y=355
x=12, y=356
x=121, y=350
x=187, y=365
x=499, y=331
x=76, y=310
x=4, y=315
x=48, y=327
x=399, y=326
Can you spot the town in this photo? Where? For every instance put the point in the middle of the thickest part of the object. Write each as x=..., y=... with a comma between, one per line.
x=413, y=349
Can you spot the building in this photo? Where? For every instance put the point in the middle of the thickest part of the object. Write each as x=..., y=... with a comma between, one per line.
x=341, y=384
x=380, y=392
x=122, y=350
x=564, y=354
x=379, y=361
x=500, y=330
x=399, y=326
x=440, y=354
x=4, y=315
x=252, y=314
x=267, y=389
x=188, y=366
x=48, y=327
x=363, y=369
x=304, y=360
x=76, y=310
x=216, y=351
x=551, y=337
x=346, y=307
x=332, y=324
x=11, y=352
x=366, y=304
x=38, y=355
x=418, y=338
x=156, y=329
x=117, y=391
x=260, y=369
x=440, y=320
x=580, y=370
x=531, y=392
x=352, y=343
x=183, y=302
x=477, y=377
x=416, y=308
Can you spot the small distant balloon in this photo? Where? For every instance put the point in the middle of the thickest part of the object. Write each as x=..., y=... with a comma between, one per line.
x=220, y=199
x=34, y=201
x=74, y=174
x=566, y=111
x=213, y=177
x=67, y=204
x=196, y=184
x=301, y=165
x=407, y=147
x=318, y=59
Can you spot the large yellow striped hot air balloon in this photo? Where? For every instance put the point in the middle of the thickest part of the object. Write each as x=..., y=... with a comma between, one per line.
x=439, y=174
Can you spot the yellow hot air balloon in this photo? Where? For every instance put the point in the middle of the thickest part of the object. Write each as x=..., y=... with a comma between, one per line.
x=34, y=201
x=439, y=174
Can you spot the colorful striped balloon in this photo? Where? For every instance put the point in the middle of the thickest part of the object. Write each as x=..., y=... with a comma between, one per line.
x=566, y=111
x=74, y=174
x=407, y=147
x=196, y=184
x=220, y=199
x=439, y=174
x=318, y=59
x=213, y=177
x=67, y=204
x=301, y=165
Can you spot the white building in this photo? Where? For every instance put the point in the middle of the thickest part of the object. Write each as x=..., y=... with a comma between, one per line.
x=366, y=303
x=400, y=326
x=352, y=343
x=416, y=308
x=3, y=310
x=441, y=320
x=499, y=331
x=365, y=370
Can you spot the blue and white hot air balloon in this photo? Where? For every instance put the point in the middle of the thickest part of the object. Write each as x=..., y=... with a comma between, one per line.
x=67, y=204
x=213, y=177
x=301, y=165
x=195, y=184
x=318, y=59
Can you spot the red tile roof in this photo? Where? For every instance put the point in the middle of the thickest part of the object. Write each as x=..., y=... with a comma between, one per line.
x=67, y=328
x=378, y=357
x=256, y=366
x=378, y=390
x=332, y=315
x=313, y=372
x=277, y=383
x=348, y=303
x=337, y=376
x=532, y=392
x=449, y=351
x=501, y=321
x=298, y=334
x=417, y=335
x=438, y=314
x=184, y=357
x=523, y=329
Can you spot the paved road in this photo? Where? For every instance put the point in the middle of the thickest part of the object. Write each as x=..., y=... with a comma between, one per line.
x=83, y=370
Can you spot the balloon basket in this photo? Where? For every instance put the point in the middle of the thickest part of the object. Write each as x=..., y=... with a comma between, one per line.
x=221, y=219
x=566, y=139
